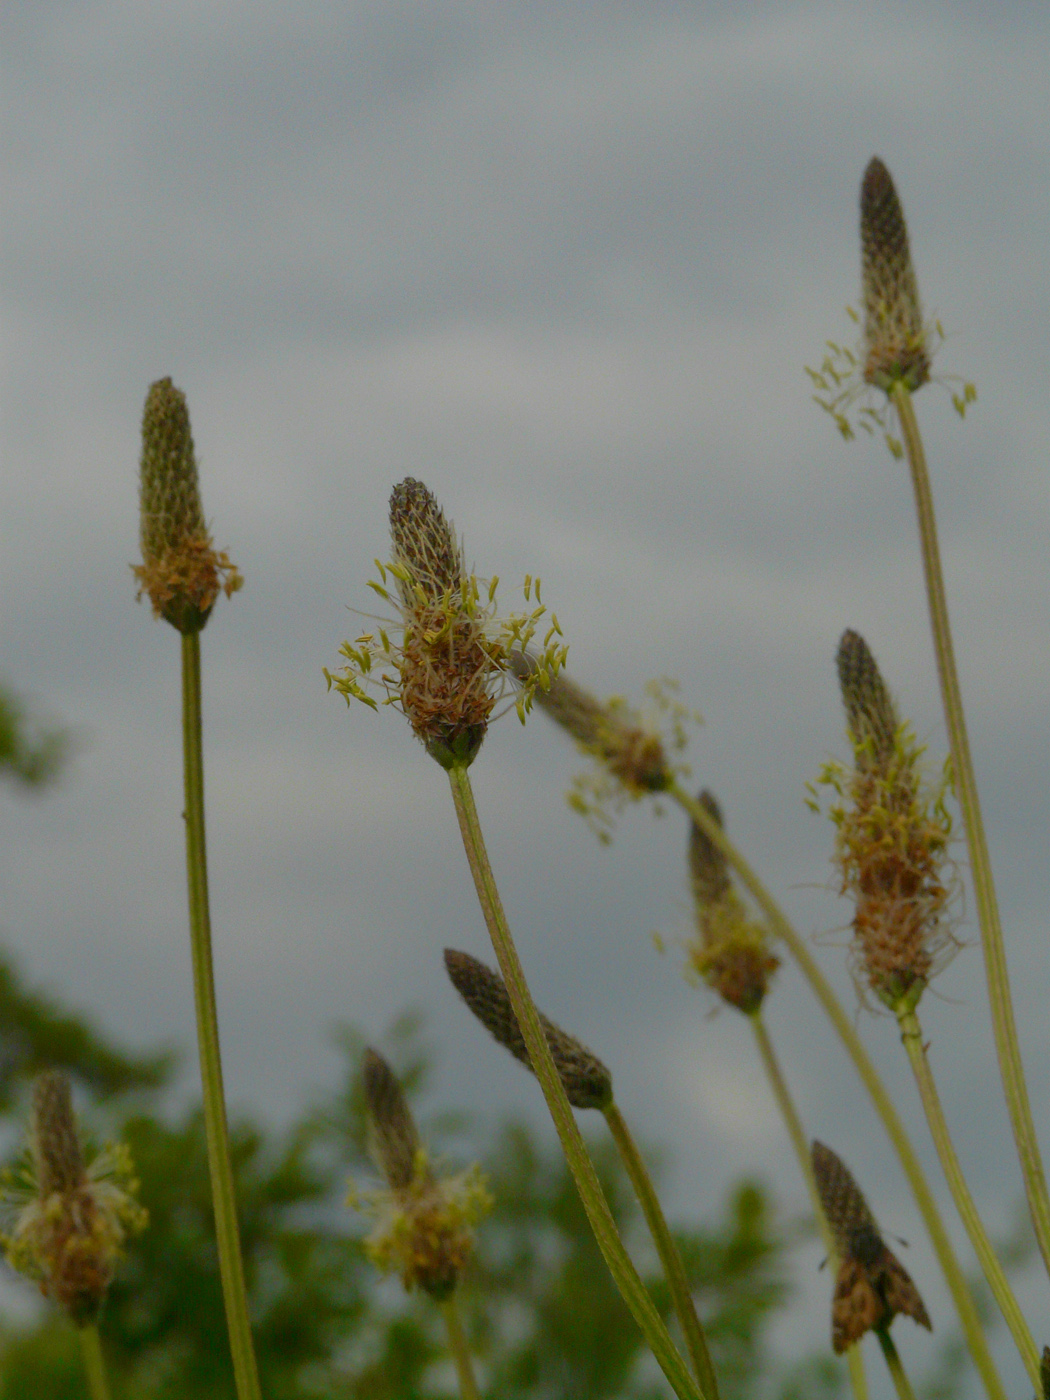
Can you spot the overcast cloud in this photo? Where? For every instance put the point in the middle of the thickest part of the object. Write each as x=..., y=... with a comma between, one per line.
x=565, y=264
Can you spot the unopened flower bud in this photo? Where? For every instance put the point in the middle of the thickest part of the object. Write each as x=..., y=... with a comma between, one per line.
x=587, y=1082
x=180, y=570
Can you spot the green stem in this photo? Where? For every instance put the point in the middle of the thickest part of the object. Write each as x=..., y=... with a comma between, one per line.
x=457, y=1345
x=623, y=1272
x=778, y=1084
x=911, y=1036
x=230, y=1265
x=893, y=1364
x=781, y=927
x=94, y=1365
x=670, y=1258
x=1006, y=1042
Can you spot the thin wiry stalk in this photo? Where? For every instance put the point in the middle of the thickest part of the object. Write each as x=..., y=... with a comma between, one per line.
x=788, y=1111
x=224, y=1202
x=670, y=1258
x=94, y=1365
x=782, y=928
x=911, y=1036
x=624, y=1274
x=457, y=1345
x=894, y=1366
x=1006, y=1042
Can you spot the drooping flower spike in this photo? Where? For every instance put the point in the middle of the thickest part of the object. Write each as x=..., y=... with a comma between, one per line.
x=423, y=1221
x=872, y=1286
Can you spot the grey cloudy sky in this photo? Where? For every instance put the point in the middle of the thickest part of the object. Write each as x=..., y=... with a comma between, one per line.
x=565, y=263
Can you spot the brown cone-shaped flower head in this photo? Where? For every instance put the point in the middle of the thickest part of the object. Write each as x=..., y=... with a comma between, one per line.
x=870, y=713
x=587, y=1082
x=72, y=1219
x=891, y=841
x=872, y=1285
x=730, y=952
x=180, y=570
x=634, y=755
x=447, y=661
x=895, y=339
x=1044, y=1373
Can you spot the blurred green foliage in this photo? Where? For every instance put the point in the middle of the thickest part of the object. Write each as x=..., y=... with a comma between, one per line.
x=543, y=1317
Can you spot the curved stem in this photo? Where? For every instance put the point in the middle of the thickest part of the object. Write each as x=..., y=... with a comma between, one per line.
x=1006, y=1043
x=893, y=1363
x=231, y=1267
x=911, y=1036
x=778, y=1084
x=457, y=1345
x=670, y=1258
x=94, y=1365
x=781, y=927
x=596, y=1206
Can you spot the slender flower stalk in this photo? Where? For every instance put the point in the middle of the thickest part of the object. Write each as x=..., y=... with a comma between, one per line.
x=94, y=1363
x=894, y=1365
x=588, y=1084
x=911, y=1038
x=996, y=971
x=451, y=651
x=731, y=953
x=624, y=1274
x=183, y=575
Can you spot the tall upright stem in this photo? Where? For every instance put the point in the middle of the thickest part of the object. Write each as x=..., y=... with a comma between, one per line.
x=670, y=1258
x=893, y=1364
x=227, y=1239
x=94, y=1364
x=624, y=1274
x=782, y=929
x=457, y=1344
x=1006, y=1042
x=793, y=1123
x=911, y=1036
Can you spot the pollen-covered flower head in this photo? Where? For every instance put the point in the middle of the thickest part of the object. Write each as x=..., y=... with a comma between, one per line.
x=892, y=837
x=631, y=749
x=587, y=1082
x=872, y=1285
x=896, y=347
x=69, y=1220
x=729, y=951
x=180, y=571
x=423, y=1221
x=446, y=661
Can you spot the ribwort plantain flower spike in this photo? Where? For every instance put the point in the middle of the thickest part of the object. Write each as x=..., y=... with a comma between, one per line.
x=70, y=1219
x=897, y=347
x=631, y=755
x=730, y=952
x=181, y=571
x=893, y=834
x=587, y=1082
x=872, y=1285
x=423, y=1222
x=447, y=670
x=895, y=338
